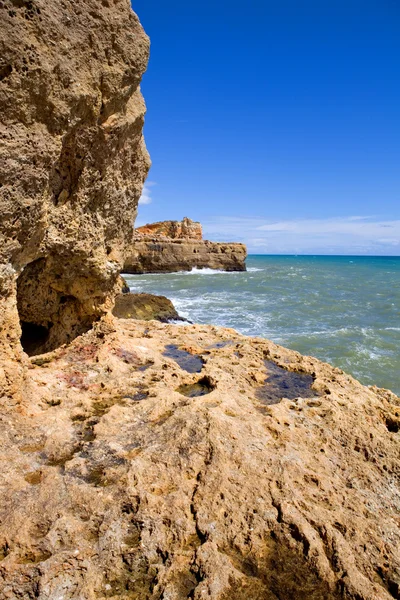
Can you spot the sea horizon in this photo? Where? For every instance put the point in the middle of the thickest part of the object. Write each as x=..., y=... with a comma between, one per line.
x=327, y=255
x=343, y=309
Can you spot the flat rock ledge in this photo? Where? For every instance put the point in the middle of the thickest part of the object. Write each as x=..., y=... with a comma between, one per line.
x=146, y=307
x=125, y=474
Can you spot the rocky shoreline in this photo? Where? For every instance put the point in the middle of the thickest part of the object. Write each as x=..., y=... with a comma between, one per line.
x=171, y=246
x=142, y=460
x=127, y=472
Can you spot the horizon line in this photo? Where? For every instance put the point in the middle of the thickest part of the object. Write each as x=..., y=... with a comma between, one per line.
x=316, y=254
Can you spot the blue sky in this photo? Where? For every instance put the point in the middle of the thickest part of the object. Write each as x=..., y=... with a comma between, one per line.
x=276, y=123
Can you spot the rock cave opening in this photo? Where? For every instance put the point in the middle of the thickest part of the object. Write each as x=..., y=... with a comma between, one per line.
x=48, y=316
x=34, y=337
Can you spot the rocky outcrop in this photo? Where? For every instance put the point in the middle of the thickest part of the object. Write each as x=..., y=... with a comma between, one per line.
x=176, y=230
x=144, y=460
x=146, y=307
x=171, y=246
x=72, y=164
x=168, y=256
x=247, y=472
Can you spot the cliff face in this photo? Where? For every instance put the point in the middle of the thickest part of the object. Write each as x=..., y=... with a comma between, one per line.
x=173, y=229
x=72, y=163
x=145, y=461
x=171, y=246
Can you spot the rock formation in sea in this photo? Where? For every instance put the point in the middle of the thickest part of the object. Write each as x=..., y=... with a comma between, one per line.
x=144, y=460
x=177, y=230
x=170, y=246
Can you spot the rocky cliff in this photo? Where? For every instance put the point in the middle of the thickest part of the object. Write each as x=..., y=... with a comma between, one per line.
x=173, y=229
x=171, y=246
x=142, y=460
x=72, y=163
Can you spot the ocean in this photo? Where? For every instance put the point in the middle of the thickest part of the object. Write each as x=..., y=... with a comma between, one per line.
x=344, y=310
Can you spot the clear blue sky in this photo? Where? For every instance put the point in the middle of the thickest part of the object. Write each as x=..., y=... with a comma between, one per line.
x=275, y=122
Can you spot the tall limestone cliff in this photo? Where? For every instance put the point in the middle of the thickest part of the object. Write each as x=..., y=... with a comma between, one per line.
x=72, y=164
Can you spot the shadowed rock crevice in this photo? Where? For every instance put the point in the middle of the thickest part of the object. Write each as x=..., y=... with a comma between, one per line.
x=280, y=573
x=48, y=317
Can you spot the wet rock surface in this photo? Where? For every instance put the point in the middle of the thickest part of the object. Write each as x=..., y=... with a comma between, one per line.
x=281, y=383
x=186, y=360
x=114, y=484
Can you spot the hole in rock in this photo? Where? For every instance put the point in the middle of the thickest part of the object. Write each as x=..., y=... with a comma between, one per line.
x=188, y=362
x=34, y=337
x=281, y=383
x=49, y=318
x=392, y=425
x=199, y=388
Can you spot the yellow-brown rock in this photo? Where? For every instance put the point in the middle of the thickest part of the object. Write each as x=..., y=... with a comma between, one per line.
x=170, y=246
x=124, y=476
x=173, y=229
x=146, y=307
x=150, y=461
x=72, y=164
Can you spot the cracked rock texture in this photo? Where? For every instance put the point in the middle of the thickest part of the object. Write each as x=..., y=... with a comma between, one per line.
x=170, y=246
x=118, y=482
x=72, y=164
x=173, y=229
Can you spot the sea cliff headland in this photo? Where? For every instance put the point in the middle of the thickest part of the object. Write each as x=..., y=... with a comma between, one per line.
x=170, y=246
x=143, y=460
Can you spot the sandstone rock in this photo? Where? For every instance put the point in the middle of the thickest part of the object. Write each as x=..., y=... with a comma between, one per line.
x=72, y=164
x=125, y=472
x=118, y=482
x=163, y=255
x=173, y=229
x=145, y=306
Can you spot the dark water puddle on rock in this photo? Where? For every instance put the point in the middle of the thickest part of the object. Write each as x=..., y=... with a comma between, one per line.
x=281, y=383
x=218, y=345
x=199, y=388
x=188, y=362
x=141, y=394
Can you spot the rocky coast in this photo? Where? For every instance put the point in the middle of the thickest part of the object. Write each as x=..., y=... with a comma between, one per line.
x=171, y=246
x=143, y=460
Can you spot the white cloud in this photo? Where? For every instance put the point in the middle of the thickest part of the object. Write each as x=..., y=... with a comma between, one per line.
x=339, y=235
x=146, y=198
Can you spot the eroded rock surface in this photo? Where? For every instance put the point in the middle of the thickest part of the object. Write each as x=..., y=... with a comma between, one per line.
x=171, y=246
x=145, y=306
x=72, y=164
x=173, y=229
x=125, y=476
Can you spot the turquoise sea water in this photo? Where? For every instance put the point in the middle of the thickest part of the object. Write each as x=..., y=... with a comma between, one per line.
x=343, y=309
